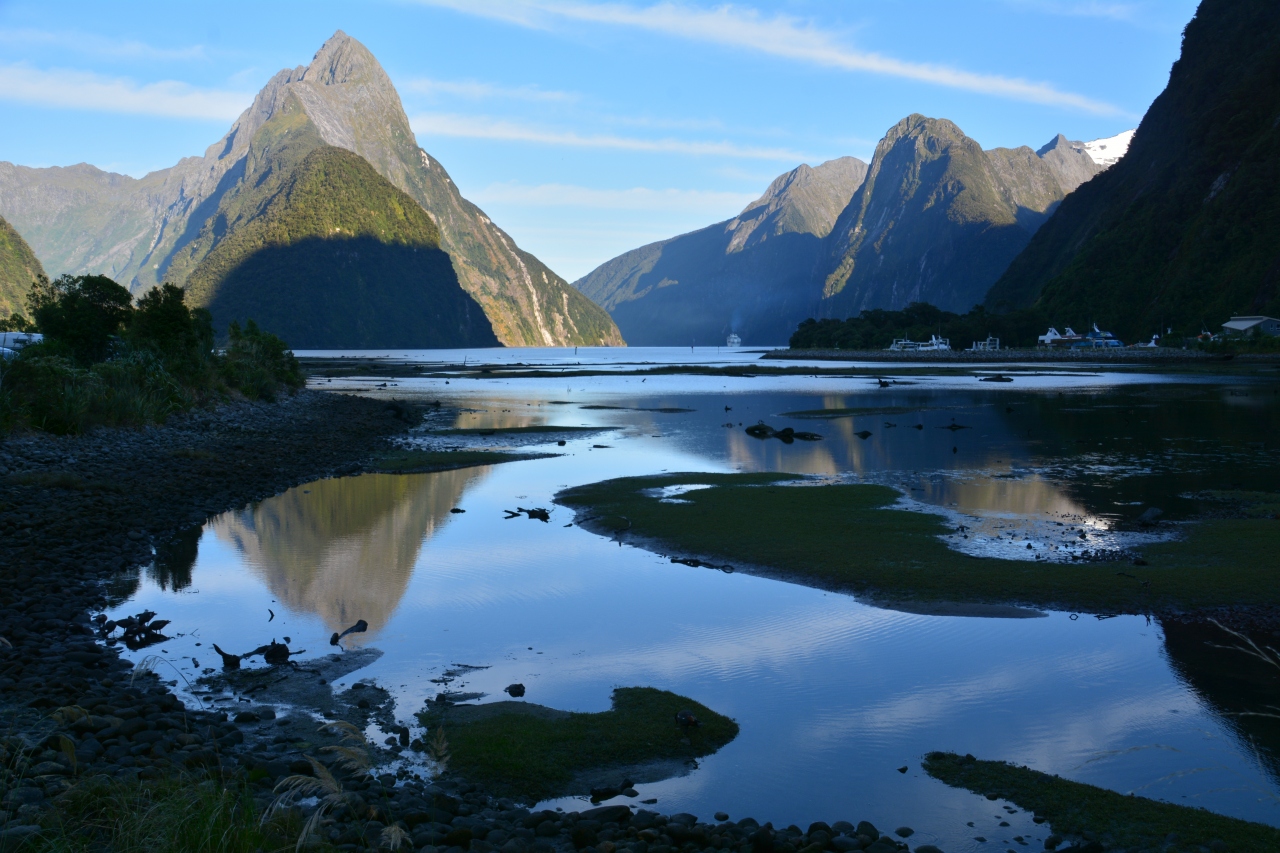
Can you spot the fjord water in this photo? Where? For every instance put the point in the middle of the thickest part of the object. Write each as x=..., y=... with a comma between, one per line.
x=833, y=696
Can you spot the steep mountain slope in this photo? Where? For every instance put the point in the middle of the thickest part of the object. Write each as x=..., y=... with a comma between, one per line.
x=336, y=257
x=1185, y=229
x=146, y=231
x=751, y=274
x=18, y=268
x=938, y=219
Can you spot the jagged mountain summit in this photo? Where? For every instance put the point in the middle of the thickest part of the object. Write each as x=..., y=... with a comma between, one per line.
x=751, y=275
x=938, y=219
x=1183, y=231
x=160, y=227
x=1107, y=152
x=19, y=266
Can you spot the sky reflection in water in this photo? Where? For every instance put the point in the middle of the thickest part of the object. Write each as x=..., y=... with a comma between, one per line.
x=832, y=696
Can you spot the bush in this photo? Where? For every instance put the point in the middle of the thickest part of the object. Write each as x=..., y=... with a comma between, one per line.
x=84, y=313
x=258, y=363
x=182, y=338
x=104, y=362
x=51, y=393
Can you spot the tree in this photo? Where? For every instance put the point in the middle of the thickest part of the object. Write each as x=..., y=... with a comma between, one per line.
x=81, y=313
x=181, y=337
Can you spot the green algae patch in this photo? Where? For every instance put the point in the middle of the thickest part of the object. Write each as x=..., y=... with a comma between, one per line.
x=520, y=430
x=1076, y=809
x=427, y=461
x=849, y=538
x=531, y=752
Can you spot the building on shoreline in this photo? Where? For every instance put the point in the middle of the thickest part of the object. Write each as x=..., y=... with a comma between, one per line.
x=1250, y=325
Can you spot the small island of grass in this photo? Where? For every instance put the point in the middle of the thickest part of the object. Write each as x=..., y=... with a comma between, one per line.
x=530, y=752
x=1076, y=809
x=849, y=538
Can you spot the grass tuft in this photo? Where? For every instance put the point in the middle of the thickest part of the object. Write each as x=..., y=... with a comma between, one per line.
x=530, y=752
x=1073, y=808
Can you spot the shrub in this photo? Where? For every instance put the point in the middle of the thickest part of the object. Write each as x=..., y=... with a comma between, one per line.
x=258, y=363
x=83, y=313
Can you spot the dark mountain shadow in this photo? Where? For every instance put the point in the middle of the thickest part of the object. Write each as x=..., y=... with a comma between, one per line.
x=352, y=293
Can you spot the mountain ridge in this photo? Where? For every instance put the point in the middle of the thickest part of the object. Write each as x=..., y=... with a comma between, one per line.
x=747, y=275
x=134, y=229
x=938, y=218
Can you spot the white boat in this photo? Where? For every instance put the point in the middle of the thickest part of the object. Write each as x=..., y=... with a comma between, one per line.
x=733, y=341
x=935, y=344
x=991, y=344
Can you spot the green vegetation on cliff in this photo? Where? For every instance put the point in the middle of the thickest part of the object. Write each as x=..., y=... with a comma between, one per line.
x=1184, y=230
x=19, y=267
x=329, y=253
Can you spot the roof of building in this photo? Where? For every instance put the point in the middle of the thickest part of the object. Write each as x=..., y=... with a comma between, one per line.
x=1243, y=323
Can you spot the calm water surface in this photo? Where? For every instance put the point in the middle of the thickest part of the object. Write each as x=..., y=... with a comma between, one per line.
x=832, y=696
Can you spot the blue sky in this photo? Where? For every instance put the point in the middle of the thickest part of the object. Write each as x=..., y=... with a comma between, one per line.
x=583, y=128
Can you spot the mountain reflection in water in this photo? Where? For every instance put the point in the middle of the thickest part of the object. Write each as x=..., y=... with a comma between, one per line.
x=344, y=549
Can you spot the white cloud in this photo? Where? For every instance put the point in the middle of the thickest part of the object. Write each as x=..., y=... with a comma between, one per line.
x=99, y=45
x=485, y=127
x=477, y=91
x=87, y=91
x=781, y=36
x=635, y=198
x=1093, y=9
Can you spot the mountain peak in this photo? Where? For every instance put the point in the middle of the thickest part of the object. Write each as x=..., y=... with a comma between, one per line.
x=343, y=59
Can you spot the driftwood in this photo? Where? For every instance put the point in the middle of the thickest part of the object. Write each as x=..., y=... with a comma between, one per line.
x=359, y=628
x=273, y=653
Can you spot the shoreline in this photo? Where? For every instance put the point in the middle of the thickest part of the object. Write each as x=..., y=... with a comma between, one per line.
x=1122, y=355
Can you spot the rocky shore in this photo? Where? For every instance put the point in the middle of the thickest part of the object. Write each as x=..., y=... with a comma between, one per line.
x=77, y=514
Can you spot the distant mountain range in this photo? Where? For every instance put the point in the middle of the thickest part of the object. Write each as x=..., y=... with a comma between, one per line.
x=19, y=266
x=1185, y=230
x=164, y=226
x=751, y=274
x=933, y=218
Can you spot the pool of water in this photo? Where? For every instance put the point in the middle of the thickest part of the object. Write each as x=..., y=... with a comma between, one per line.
x=833, y=696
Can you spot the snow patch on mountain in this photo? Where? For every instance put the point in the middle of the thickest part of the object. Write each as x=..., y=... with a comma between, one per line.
x=1107, y=152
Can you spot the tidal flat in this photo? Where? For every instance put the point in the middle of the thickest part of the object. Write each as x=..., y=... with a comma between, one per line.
x=474, y=579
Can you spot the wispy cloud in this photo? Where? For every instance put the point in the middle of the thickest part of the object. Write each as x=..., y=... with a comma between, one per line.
x=1128, y=12
x=476, y=90
x=100, y=46
x=635, y=198
x=87, y=91
x=485, y=127
x=782, y=36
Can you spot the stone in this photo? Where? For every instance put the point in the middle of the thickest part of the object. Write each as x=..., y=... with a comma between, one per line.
x=904, y=832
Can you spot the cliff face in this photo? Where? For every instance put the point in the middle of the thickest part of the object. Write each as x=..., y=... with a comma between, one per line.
x=18, y=268
x=938, y=219
x=751, y=275
x=1184, y=229
x=145, y=231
